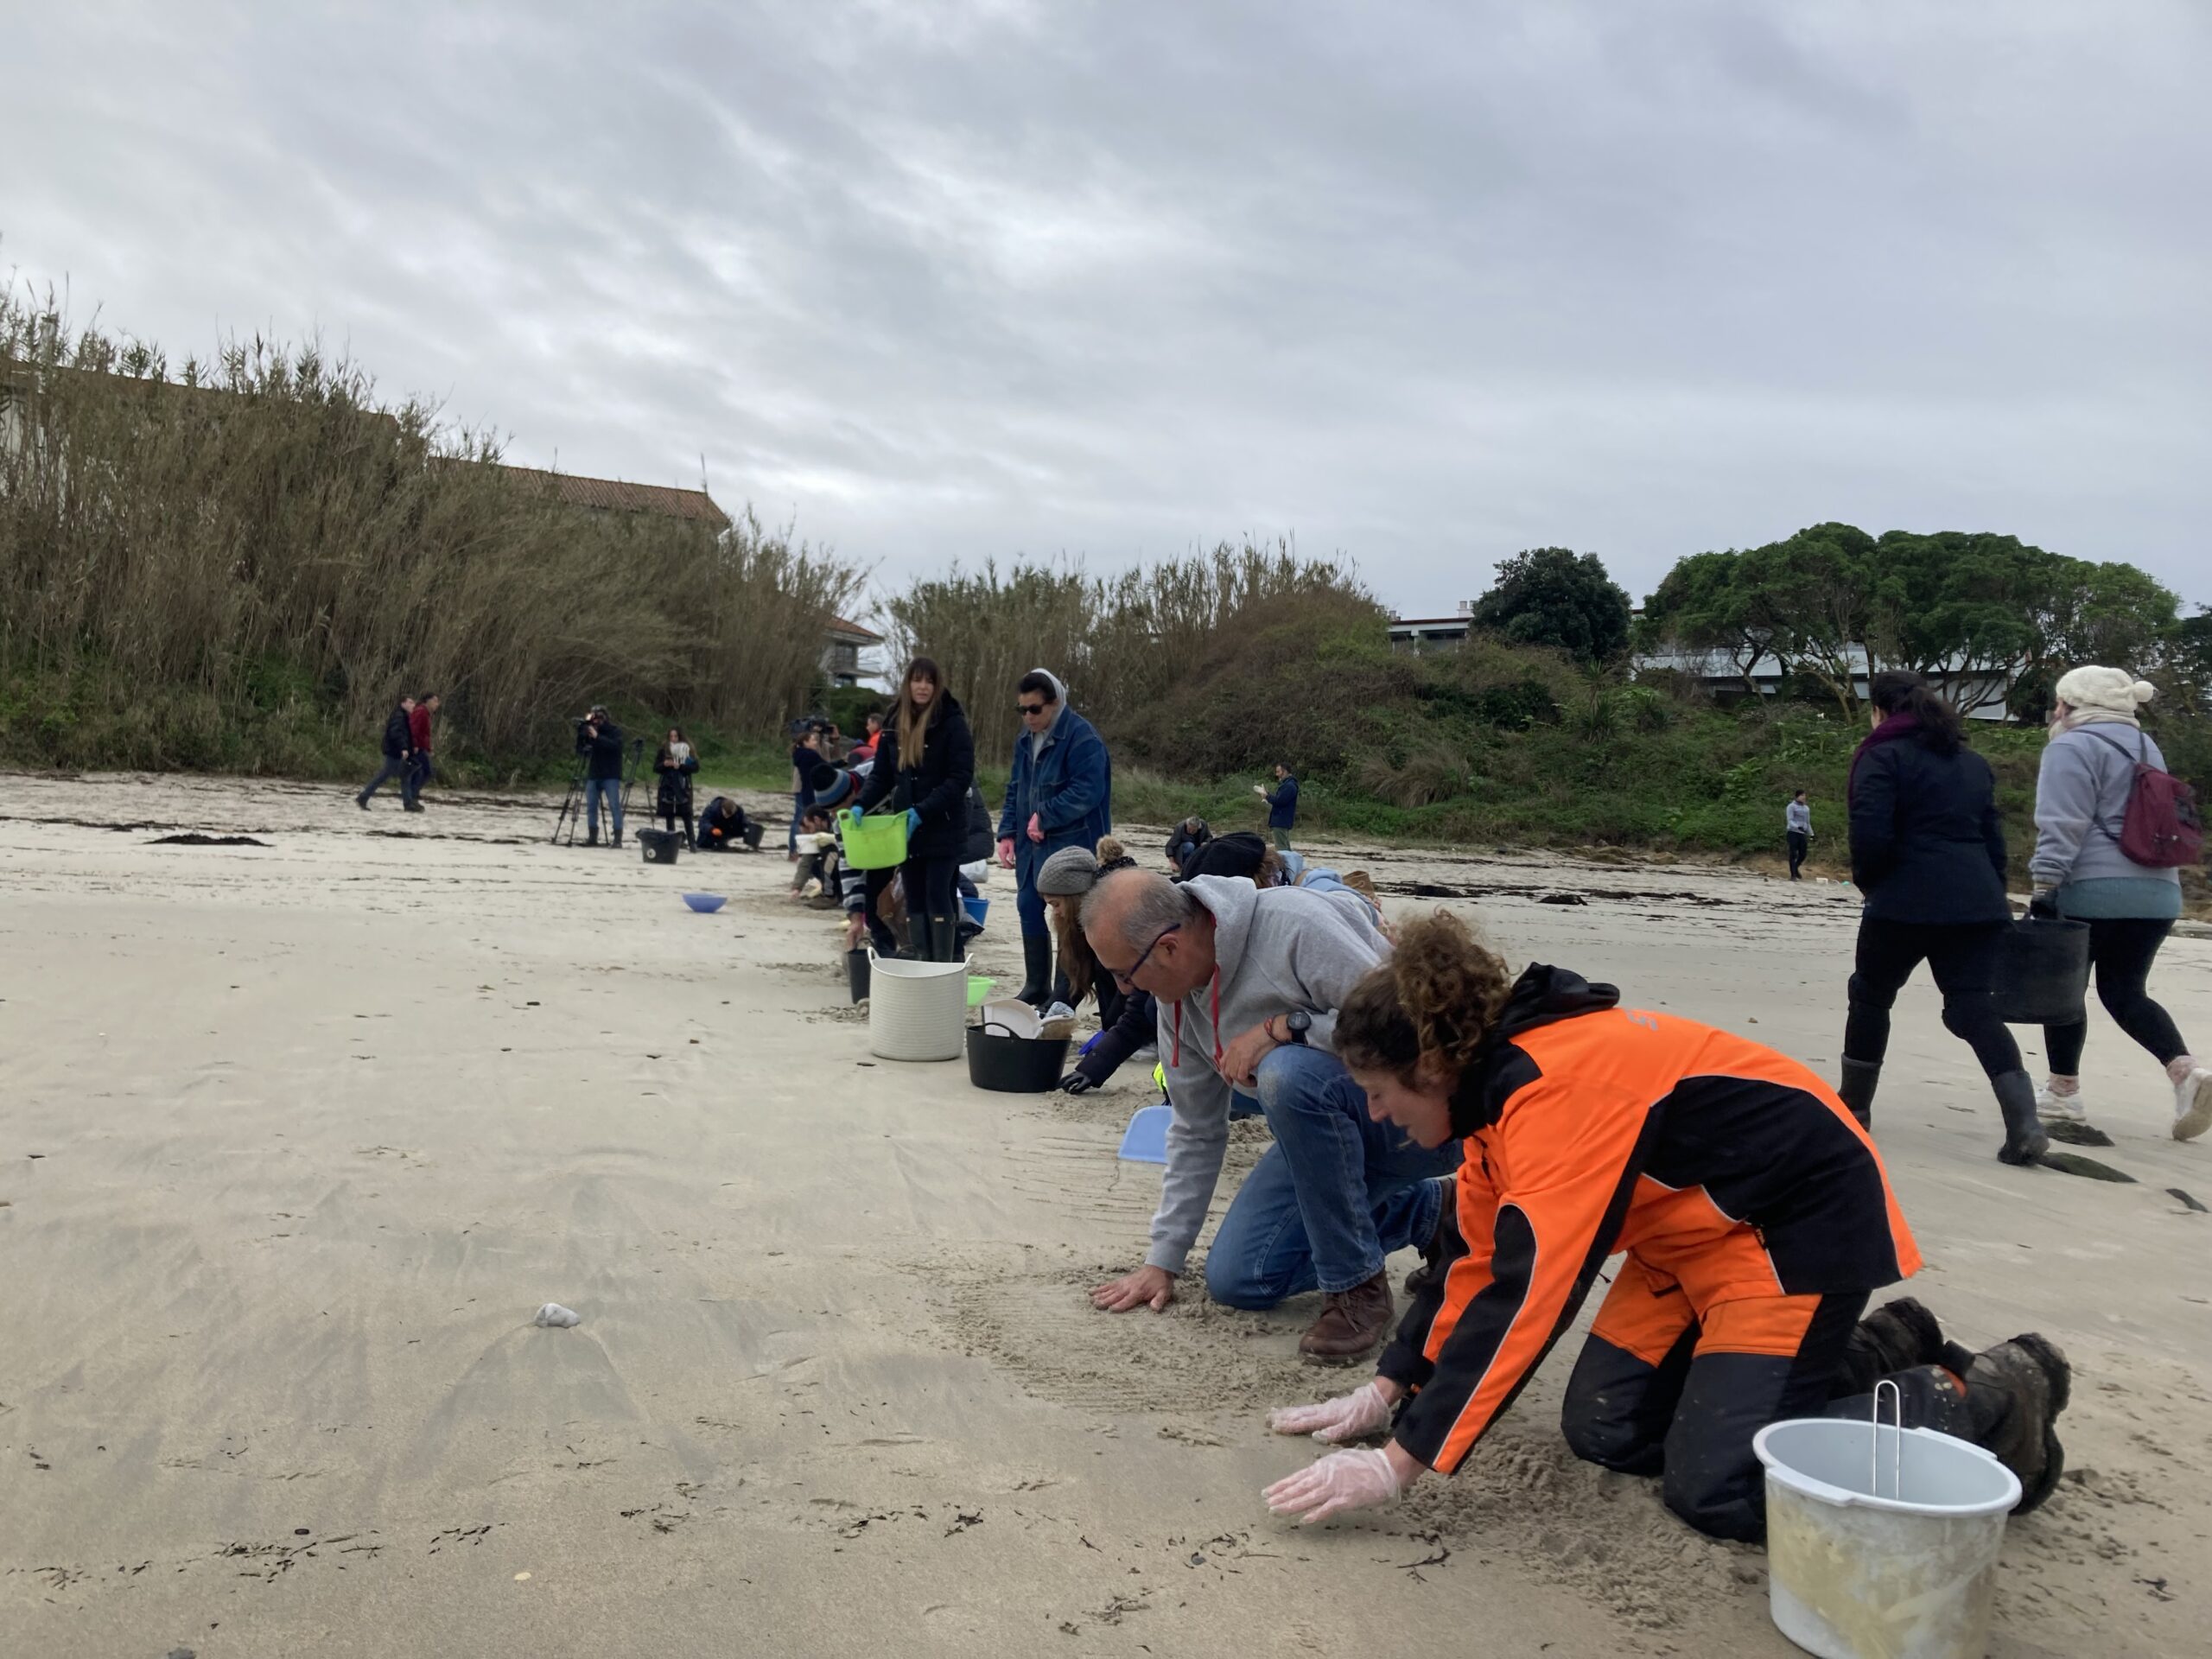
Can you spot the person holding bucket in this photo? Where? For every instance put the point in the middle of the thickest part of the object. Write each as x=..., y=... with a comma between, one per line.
x=1060, y=794
x=2082, y=873
x=1755, y=1216
x=925, y=764
x=1928, y=850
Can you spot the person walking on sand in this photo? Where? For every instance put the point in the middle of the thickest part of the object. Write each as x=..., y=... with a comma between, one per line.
x=1928, y=850
x=1797, y=830
x=674, y=766
x=1756, y=1221
x=925, y=764
x=806, y=756
x=599, y=740
x=418, y=764
x=1061, y=794
x=2082, y=872
x=399, y=753
x=1283, y=805
x=1248, y=981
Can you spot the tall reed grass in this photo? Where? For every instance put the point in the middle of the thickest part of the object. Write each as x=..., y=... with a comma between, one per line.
x=256, y=541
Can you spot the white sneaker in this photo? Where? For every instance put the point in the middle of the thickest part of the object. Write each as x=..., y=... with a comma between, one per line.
x=2061, y=1109
x=2193, y=1105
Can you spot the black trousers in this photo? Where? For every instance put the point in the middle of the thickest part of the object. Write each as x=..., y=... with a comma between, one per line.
x=1962, y=958
x=932, y=890
x=1799, y=841
x=1689, y=1417
x=2120, y=951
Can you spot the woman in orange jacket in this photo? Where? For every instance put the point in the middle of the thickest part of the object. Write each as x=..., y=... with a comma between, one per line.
x=1756, y=1216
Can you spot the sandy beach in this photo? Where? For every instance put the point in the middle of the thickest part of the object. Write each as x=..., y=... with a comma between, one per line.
x=295, y=1137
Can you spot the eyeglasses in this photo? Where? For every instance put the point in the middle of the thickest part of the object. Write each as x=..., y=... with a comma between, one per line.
x=1125, y=977
x=1031, y=708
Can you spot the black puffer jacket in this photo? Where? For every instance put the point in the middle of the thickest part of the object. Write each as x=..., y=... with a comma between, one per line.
x=603, y=754
x=938, y=788
x=1927, y=844
x=398, y=735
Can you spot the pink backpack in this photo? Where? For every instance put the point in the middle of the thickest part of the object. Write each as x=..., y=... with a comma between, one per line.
x=2162, y=830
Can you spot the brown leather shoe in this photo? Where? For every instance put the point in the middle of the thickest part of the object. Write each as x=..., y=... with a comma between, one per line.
x=1352, y=1324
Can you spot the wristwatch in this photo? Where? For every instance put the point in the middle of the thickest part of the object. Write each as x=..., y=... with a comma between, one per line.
x=1298, y=1022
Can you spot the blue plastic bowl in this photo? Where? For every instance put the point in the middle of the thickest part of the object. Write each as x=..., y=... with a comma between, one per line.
x=705, y=903
x=976, y=909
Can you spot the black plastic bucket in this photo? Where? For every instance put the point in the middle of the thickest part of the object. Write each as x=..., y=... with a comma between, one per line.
x=1015, y=1065
x=2043, y=972
x=856, y=973
x=659, y=846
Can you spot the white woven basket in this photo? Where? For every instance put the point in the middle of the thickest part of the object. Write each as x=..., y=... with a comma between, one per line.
x=915, y=1010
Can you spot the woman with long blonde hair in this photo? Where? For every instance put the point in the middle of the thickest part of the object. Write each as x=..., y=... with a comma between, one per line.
x=925, y=762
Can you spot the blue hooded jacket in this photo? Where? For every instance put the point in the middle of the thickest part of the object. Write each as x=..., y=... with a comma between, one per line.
x=1283, y=805
x=1070, y=787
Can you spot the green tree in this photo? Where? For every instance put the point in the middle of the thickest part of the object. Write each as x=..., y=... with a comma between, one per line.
x=1816, y=591
x=1556, y=596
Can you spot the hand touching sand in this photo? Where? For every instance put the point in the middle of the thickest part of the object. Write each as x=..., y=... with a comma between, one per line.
x=1147, y=1287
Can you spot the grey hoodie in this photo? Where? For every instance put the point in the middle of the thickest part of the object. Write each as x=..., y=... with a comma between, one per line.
x=2082, y=793
x=1275, y=949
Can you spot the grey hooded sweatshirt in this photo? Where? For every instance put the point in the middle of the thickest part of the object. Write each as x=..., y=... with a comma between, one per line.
x=1275, y=949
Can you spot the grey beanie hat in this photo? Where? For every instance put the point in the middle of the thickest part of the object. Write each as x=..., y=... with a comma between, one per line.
x=1068, y=874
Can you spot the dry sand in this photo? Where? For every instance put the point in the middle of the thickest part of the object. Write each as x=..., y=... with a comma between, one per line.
x=296, y=1139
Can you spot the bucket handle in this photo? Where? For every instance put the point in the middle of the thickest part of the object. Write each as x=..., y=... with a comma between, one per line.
x=1896, y=1443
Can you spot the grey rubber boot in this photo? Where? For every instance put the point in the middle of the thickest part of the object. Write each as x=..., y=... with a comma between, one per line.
x=1857, y=1089
x=2026, y=1140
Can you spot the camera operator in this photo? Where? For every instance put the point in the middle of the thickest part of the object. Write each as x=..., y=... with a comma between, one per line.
x=599, y=740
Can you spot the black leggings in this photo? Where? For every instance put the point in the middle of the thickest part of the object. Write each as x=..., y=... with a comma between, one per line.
x=1799, y=841
x=2122, y=951
x=932, y=889
x=1963, y=959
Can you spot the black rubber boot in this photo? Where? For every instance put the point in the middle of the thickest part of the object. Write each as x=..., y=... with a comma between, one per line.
x=1857, y=1089
x=943, y=937
x=1037, y=969
x=1899, y=1336
x=2025, y=1143
x=2015, y=1392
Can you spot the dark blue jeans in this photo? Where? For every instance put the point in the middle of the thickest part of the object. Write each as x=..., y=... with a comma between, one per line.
x=418, y=773
x=611, y=788
x=393, y=770
x=1336, y=1193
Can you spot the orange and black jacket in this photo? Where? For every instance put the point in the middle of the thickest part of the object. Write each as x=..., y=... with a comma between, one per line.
x=1590, y=1129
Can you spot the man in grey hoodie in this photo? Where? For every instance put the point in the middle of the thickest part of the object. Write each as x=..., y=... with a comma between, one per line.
x=1248, y=982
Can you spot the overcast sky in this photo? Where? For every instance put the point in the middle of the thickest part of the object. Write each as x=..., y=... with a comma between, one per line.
x=1423, y=284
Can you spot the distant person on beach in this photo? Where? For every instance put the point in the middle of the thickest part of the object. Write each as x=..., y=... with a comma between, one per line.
x=807, y=756
x=399, y=753
x=674, y=766
x=1928, y=850
x=865, y=749
x=1283, y=805
x=1061, y=794
x=724, y=828
x=418, y=764
x=599, y=740
x=1184, y=841
x=1756, y=1221
x=1797, y=830
x=925, y=766
x=2082, y=872
x=1248, y=981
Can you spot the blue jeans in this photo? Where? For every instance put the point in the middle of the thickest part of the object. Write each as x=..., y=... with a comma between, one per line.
x=394, y=767
x=612, y=789
x=418, y=773
x=1335, y=1194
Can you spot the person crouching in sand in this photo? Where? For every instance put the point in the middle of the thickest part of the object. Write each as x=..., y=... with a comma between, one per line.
x=1755, y=1216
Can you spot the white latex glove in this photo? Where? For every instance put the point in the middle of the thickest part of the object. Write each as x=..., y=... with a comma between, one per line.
x=1343, y=1480
x=1347, y=1417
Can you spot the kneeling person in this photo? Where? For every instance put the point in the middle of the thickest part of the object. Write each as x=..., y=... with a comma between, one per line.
x=1755, y=1213
x=1248, y=982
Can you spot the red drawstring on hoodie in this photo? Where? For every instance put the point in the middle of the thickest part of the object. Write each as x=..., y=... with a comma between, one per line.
x=1175, y=1050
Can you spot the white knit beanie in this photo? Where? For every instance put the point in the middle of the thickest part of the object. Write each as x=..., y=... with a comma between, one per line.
x=2105, y=692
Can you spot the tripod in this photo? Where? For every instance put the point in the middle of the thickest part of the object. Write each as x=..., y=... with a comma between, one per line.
x=569, y=808
x=636, y=760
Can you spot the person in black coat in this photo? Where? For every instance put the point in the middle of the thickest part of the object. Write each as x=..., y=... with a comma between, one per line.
x=398, y=752
x=1184, y=843
x=1927, y=851
x=925, y=766
x=675, y=764
x=599, y=740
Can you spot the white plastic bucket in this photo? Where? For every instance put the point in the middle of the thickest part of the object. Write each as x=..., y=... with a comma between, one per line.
x=915, y=1010
x=1881, y=1542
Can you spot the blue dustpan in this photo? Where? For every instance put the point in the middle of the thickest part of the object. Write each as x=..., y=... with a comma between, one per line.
x=1145, y=1141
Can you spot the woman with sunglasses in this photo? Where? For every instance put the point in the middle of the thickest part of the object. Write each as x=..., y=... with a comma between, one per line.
x=925, y=762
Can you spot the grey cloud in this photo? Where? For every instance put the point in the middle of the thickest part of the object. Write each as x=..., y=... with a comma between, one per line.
x=1423, y=283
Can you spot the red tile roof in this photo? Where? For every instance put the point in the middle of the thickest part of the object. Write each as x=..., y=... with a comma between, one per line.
x=615, y=495
x=838, y=625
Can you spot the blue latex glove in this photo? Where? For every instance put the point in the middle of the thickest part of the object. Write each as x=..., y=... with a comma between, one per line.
x=913, y=820
x=857, y=810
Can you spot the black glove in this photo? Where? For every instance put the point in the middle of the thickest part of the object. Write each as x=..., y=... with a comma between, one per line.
x=1078, y=1082
x=2044, y=906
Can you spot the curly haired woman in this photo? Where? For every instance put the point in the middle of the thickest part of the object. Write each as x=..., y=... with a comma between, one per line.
x=1756, y=1219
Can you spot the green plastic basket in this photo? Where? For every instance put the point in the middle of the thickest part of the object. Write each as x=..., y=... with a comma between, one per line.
x=872, y=843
